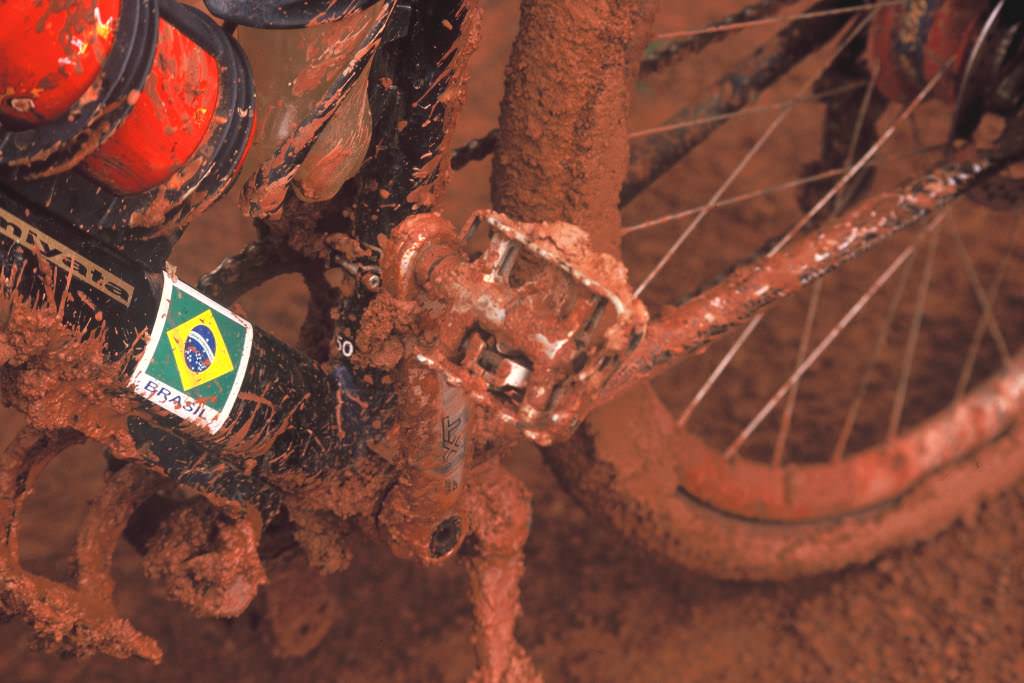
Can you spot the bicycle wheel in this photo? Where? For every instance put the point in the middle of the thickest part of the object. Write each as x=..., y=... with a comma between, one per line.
x=874, y=406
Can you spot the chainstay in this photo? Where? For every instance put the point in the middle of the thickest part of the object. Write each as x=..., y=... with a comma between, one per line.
x=735, y=299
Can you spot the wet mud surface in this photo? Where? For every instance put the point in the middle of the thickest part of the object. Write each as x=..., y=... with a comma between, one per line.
x=594, y=607
x=598, y=610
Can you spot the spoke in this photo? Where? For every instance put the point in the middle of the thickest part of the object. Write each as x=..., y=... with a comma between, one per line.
x=699, y=121
x=652, y=156
x=746, y=197
x=798, y=182
x=738, y=199
x=882, y=139
x=805, y=340
x=980, y=42
x=851, y=34
x=660, y=56
x=858, y=128
x=987, y=312
x=979, y=331
x=786, y=18
x=838, y=187
x=733, y=299
x=719, y=369
x=667, y=256
x=910, y=350
x=822, y=346
x=482, y=147
x=869, y=367
x=862, y=162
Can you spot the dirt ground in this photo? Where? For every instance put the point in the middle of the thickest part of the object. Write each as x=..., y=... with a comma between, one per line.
x=596, y=608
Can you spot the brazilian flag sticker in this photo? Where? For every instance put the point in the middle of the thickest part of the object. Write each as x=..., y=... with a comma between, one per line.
x=195, y=359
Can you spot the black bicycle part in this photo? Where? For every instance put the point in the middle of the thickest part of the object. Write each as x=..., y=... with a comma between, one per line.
x=284, y=14
x=651, y=156
x=112, y=295
x=268, y=188
x=408, y=82
x=993, y=78
x=285, y=418
x=316, y=423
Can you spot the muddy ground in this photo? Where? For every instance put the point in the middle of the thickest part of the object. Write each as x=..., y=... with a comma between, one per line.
x=597, y=609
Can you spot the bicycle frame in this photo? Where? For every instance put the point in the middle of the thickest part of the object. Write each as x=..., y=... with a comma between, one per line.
x=289, y=415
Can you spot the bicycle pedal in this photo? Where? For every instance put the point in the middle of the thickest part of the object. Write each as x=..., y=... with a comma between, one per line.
x=526, y=317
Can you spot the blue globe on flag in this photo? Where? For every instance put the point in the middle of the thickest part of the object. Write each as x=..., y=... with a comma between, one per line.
x=200, y=348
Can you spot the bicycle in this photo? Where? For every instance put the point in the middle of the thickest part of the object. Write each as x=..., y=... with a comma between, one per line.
x=430, y=302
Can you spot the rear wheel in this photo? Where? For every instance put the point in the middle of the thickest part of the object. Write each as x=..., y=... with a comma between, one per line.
x=874, y=406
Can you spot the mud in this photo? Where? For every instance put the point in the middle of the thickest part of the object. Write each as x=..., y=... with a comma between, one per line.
x=299, y=606
x=206, y=559
x=539, y=289
x=337, y=155
x=595, y=608
x=437, y=170
x=787, y=268
x=266, y=190
x=498, y=510
x=59, y=378
x=565, y=151
x=419, y=514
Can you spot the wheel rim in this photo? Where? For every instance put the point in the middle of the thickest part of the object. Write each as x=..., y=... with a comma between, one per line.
x=827, y=482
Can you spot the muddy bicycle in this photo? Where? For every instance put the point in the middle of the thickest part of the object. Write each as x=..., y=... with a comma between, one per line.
x=428, y=348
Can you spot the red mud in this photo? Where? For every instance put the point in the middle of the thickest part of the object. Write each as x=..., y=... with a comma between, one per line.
x=564, y=145
x=594, y=607
x=534, y=287
x=204, y=558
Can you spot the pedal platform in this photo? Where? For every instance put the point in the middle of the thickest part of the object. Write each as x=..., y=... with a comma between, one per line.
x=526, y=317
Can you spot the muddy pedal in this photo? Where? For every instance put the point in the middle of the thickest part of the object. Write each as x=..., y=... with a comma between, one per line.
x=526, y=317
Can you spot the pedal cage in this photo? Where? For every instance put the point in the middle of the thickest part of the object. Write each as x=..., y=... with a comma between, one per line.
x=526, y=317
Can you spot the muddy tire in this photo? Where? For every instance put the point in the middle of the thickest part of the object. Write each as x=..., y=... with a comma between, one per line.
x=627, y=476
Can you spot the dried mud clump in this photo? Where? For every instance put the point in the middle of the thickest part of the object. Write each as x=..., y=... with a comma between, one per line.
x=206, y=559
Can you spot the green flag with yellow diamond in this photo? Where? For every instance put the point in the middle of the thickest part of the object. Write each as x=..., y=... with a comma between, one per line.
x=195, y=360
